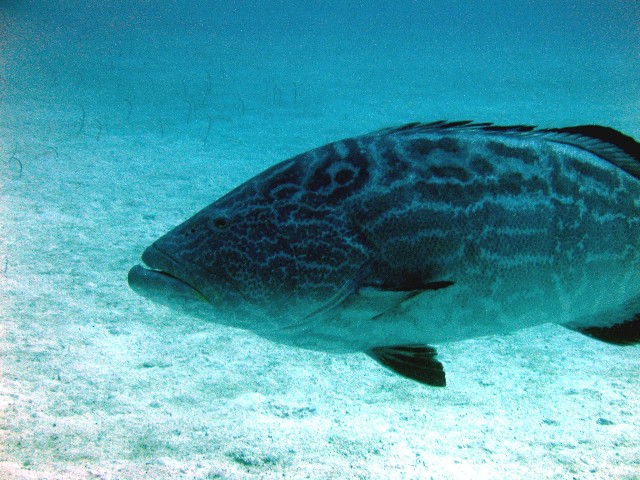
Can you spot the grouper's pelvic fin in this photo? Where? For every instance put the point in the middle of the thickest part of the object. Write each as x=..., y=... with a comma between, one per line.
x=417, y=362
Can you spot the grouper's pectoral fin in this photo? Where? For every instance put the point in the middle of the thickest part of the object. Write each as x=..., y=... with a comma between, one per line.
x=623, y=333
x=370, y=300
x=417, y=362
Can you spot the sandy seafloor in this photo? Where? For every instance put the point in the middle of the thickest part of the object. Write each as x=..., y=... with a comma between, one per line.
x=119, y=121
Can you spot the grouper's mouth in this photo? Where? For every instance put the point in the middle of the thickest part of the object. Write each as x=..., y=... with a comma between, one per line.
x=162, y=280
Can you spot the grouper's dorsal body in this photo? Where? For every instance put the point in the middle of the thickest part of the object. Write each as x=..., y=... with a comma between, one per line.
x=394, y=241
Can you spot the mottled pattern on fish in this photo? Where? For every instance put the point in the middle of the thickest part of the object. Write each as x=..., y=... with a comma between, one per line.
x=425, y=205
x=462, y=229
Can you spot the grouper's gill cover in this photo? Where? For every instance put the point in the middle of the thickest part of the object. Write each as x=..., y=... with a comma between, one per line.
x=427, y=233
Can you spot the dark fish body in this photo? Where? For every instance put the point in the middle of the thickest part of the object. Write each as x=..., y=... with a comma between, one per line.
x=412, y=236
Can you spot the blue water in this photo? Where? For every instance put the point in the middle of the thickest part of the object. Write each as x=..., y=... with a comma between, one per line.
x=120, y=119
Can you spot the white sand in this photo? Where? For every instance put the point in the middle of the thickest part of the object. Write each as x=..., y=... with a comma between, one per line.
x=123, y=133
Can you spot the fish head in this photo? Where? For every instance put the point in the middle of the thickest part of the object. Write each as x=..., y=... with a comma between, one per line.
x=279, y=244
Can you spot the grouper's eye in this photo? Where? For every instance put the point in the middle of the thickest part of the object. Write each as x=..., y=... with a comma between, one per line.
x=219, y=223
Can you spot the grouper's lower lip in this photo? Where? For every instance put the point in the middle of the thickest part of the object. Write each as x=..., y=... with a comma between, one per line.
x=161, y=286
x=157, y=284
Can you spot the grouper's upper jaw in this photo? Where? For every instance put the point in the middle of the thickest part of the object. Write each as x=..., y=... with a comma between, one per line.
x=165, y=281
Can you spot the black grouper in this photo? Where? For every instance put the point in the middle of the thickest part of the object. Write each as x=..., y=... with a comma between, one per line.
x=403, y=238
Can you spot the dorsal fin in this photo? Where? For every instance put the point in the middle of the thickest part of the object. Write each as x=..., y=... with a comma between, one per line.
x=461, y=125
x=609, y=144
